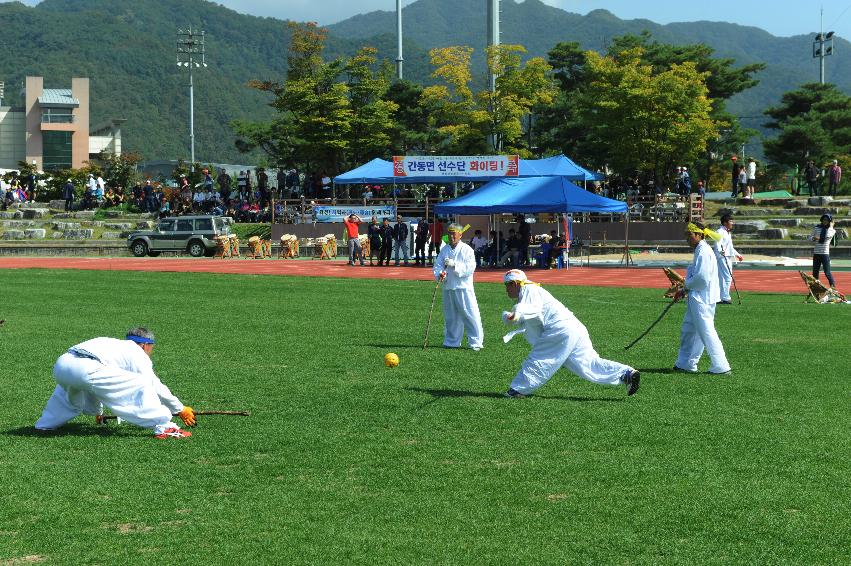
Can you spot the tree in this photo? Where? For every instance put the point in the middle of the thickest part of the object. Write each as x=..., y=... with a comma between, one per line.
x=638, y=119
x=314, y=113
x=486, y=121
x=371, y=123
x=410, y=127
x=556, y=126
x=120, y=170
x=813, y=122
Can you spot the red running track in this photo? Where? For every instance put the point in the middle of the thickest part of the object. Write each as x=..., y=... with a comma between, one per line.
x=778, y=281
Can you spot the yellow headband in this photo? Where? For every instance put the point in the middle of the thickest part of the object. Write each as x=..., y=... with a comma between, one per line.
x=711, y=234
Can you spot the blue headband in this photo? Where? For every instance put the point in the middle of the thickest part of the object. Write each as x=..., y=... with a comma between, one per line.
x=140, y=339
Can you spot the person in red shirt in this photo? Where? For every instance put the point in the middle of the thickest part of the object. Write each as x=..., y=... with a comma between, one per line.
x=435, y=232
x=355, y=251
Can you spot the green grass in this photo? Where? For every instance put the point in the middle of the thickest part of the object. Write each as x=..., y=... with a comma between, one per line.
x=346, y=461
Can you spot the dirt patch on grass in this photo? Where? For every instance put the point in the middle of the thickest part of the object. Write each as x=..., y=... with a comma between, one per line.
x=129, y=528
x=31, y=559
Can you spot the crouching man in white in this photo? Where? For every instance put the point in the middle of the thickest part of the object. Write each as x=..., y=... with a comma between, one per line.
x=703, y=289
x=120, y=375
x=558, y=339
x=454, y=266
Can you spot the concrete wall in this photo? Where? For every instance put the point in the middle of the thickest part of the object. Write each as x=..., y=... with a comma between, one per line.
x=35, y=150
x=80, y=139
x=13, y=147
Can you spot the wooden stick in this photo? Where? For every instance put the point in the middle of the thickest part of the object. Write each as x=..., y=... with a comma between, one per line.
x=233, y=413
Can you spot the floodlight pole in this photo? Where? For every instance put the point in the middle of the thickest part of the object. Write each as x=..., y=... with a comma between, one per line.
x=190, y=46
x=399, y=57
x=822, y=46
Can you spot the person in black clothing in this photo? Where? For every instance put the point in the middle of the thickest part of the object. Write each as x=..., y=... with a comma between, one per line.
x=373, y=232
x=148, y=192
x=735, y=171
x=386, y=242
x=137, y=196
x=420, y=240
x=68, y=195
x=811, y=175
x=224, y=181
x=400, y=240
x=524, y=234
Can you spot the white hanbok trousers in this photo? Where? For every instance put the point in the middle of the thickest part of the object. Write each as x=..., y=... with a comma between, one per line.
x=83, y=384
x=460, y=313
x=698, y=332
x=569, y=346
x=725, y=276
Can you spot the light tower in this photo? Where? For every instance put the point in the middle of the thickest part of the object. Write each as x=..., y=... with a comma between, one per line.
x=399, y=58
x=493, y=33
x=190, y=48
x=822, y=46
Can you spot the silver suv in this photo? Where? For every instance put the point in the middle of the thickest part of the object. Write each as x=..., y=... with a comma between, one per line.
x=193, y=234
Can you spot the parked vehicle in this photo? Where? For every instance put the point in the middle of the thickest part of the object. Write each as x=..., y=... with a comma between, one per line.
x=195, y=235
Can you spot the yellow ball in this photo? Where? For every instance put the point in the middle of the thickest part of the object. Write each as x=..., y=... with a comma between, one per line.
x=391, y=360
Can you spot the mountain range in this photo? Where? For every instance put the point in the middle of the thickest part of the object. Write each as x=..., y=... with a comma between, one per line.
x=128, y=50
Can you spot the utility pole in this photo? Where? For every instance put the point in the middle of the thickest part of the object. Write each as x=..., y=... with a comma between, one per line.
x=190, y=48
x=493, y=41
x=399, y=57
x=822, y=46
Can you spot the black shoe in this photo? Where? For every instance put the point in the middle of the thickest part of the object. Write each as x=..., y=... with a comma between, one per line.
x=631, y=379
x=511, y=393
x=681, y=370
x=724, y=303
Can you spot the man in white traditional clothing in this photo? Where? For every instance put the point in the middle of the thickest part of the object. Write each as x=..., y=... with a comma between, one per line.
x=558, y=340
x=725, y=253
x=118, y=374
x=701, y=285
x=454, y=267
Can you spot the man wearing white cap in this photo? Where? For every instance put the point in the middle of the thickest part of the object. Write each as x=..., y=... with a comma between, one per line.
x=558, y=339
x=454, y=267
x=120, y=375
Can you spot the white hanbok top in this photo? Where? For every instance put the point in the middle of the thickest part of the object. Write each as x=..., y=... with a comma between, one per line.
x=537, y=310
x=702, y=276
x=127, y=355
x=724, y=246
x=459, y=275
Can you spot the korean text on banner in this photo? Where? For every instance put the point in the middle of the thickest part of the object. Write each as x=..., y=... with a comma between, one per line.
x=455, y=166
x=338, y=213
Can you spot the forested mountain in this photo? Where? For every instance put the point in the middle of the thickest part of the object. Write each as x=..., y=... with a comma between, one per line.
x=127, y=49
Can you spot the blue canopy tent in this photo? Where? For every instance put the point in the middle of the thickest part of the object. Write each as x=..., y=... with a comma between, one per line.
x=534, y=195
x=530, y=195
x=381, y=171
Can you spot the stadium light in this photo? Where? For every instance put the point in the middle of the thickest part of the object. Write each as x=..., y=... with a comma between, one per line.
x=190, y=46
x=822, y=47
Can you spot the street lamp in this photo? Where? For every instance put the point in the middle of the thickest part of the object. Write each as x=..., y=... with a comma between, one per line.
x=190, y=47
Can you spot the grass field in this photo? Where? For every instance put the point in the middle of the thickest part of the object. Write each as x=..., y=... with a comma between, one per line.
x=346, y=461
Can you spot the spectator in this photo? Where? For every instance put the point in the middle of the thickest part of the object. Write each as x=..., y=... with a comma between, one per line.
x=281, y=178
x=834, y=177
x=374, y=235
x=400, y=240
x=822, y=235
x=420, y=240
x=811, y=175
x=435, y=232
x=263, y=184
x=512, y=251
x=743, y=181
x=326, y=185
x=751, y=177
x=386, y=242
x=224, y=181
x=148, y=192
x=479, y=245
x=355, y=251
x=208, y=181
x=138, y=196
x=735, y=172
x=68, y=195
x=524, y=235
x=367, y=194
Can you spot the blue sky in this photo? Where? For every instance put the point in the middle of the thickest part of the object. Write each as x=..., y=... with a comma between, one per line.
x=778, y=17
